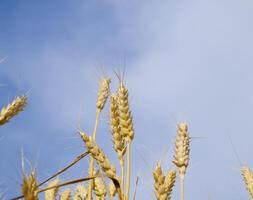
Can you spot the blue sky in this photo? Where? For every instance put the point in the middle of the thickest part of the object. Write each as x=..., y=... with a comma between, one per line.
x=185, y=61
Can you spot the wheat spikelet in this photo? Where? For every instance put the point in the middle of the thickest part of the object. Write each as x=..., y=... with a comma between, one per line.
x=103, y=92
x=117, y=138
x=125, y=116
x=248, y=179
x=12, y=109
x=99, y=188
x=65, y=195
x=99, y=156
x=182, y=149
x=51, y=194
x=169, y=183
x=112, y=190
x=160, y=190
x=81, y=192
x=29, y=187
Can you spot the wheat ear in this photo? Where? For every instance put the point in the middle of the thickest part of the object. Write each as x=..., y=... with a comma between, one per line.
x=117, y=137
x=163, y=184
x=103, y=93
x=65, y=195
x=30, y=186
x=81, y=192
x=248, y=179
x=182, y=150
x=12, y=109
x=100, y=188
x=126, y=128
x=112, y=190
x=98, y=154
x=51, y=194
x=169, y=183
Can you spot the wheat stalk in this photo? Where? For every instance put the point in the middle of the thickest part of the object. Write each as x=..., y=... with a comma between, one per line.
x=248, y=179
x=65, y=195
x=126, y=127
x=103, y=93
x=81, y=192
x=12, y=109
x=182, y=150
x=30, y=186
x=51, y=194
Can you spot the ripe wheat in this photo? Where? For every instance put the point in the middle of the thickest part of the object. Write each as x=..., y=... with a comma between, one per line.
x=248, y=179
x=12, y=109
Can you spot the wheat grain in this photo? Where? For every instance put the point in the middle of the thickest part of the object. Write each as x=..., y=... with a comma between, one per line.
x=169, y=183
x=29, y=187
x=112, y=190
x=100, y=188
x=99, y=156
x=182, y=151
x=125, y=116
x=182, y=148
x=65, y=195
x=103, y=92
x=248, y=179
x=51, y=194
x=117, y=137
x=12, y=109
x=81, y=192
x=160, y=190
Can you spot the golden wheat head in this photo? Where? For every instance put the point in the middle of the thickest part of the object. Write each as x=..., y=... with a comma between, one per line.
x=52, y=193
x=65, y=195
x=98, y=154
x=103, y=92
x=125, y=116
x=182, y=148
x=112, y=190
x=248, y=180
x=99, y=188
x=30, y=186
x=81, y=192
x=12, y=109
x=117, y=138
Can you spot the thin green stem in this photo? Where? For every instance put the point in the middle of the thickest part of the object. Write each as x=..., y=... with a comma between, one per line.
x=91, y=168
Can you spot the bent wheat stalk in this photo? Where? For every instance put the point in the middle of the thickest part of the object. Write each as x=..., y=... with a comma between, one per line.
x=182, y=150
x=12, y=109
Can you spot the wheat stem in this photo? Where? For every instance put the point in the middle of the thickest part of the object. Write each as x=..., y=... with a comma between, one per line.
x=128, y=170
x=91, y=182
x=182, y=187
x=122, y=164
